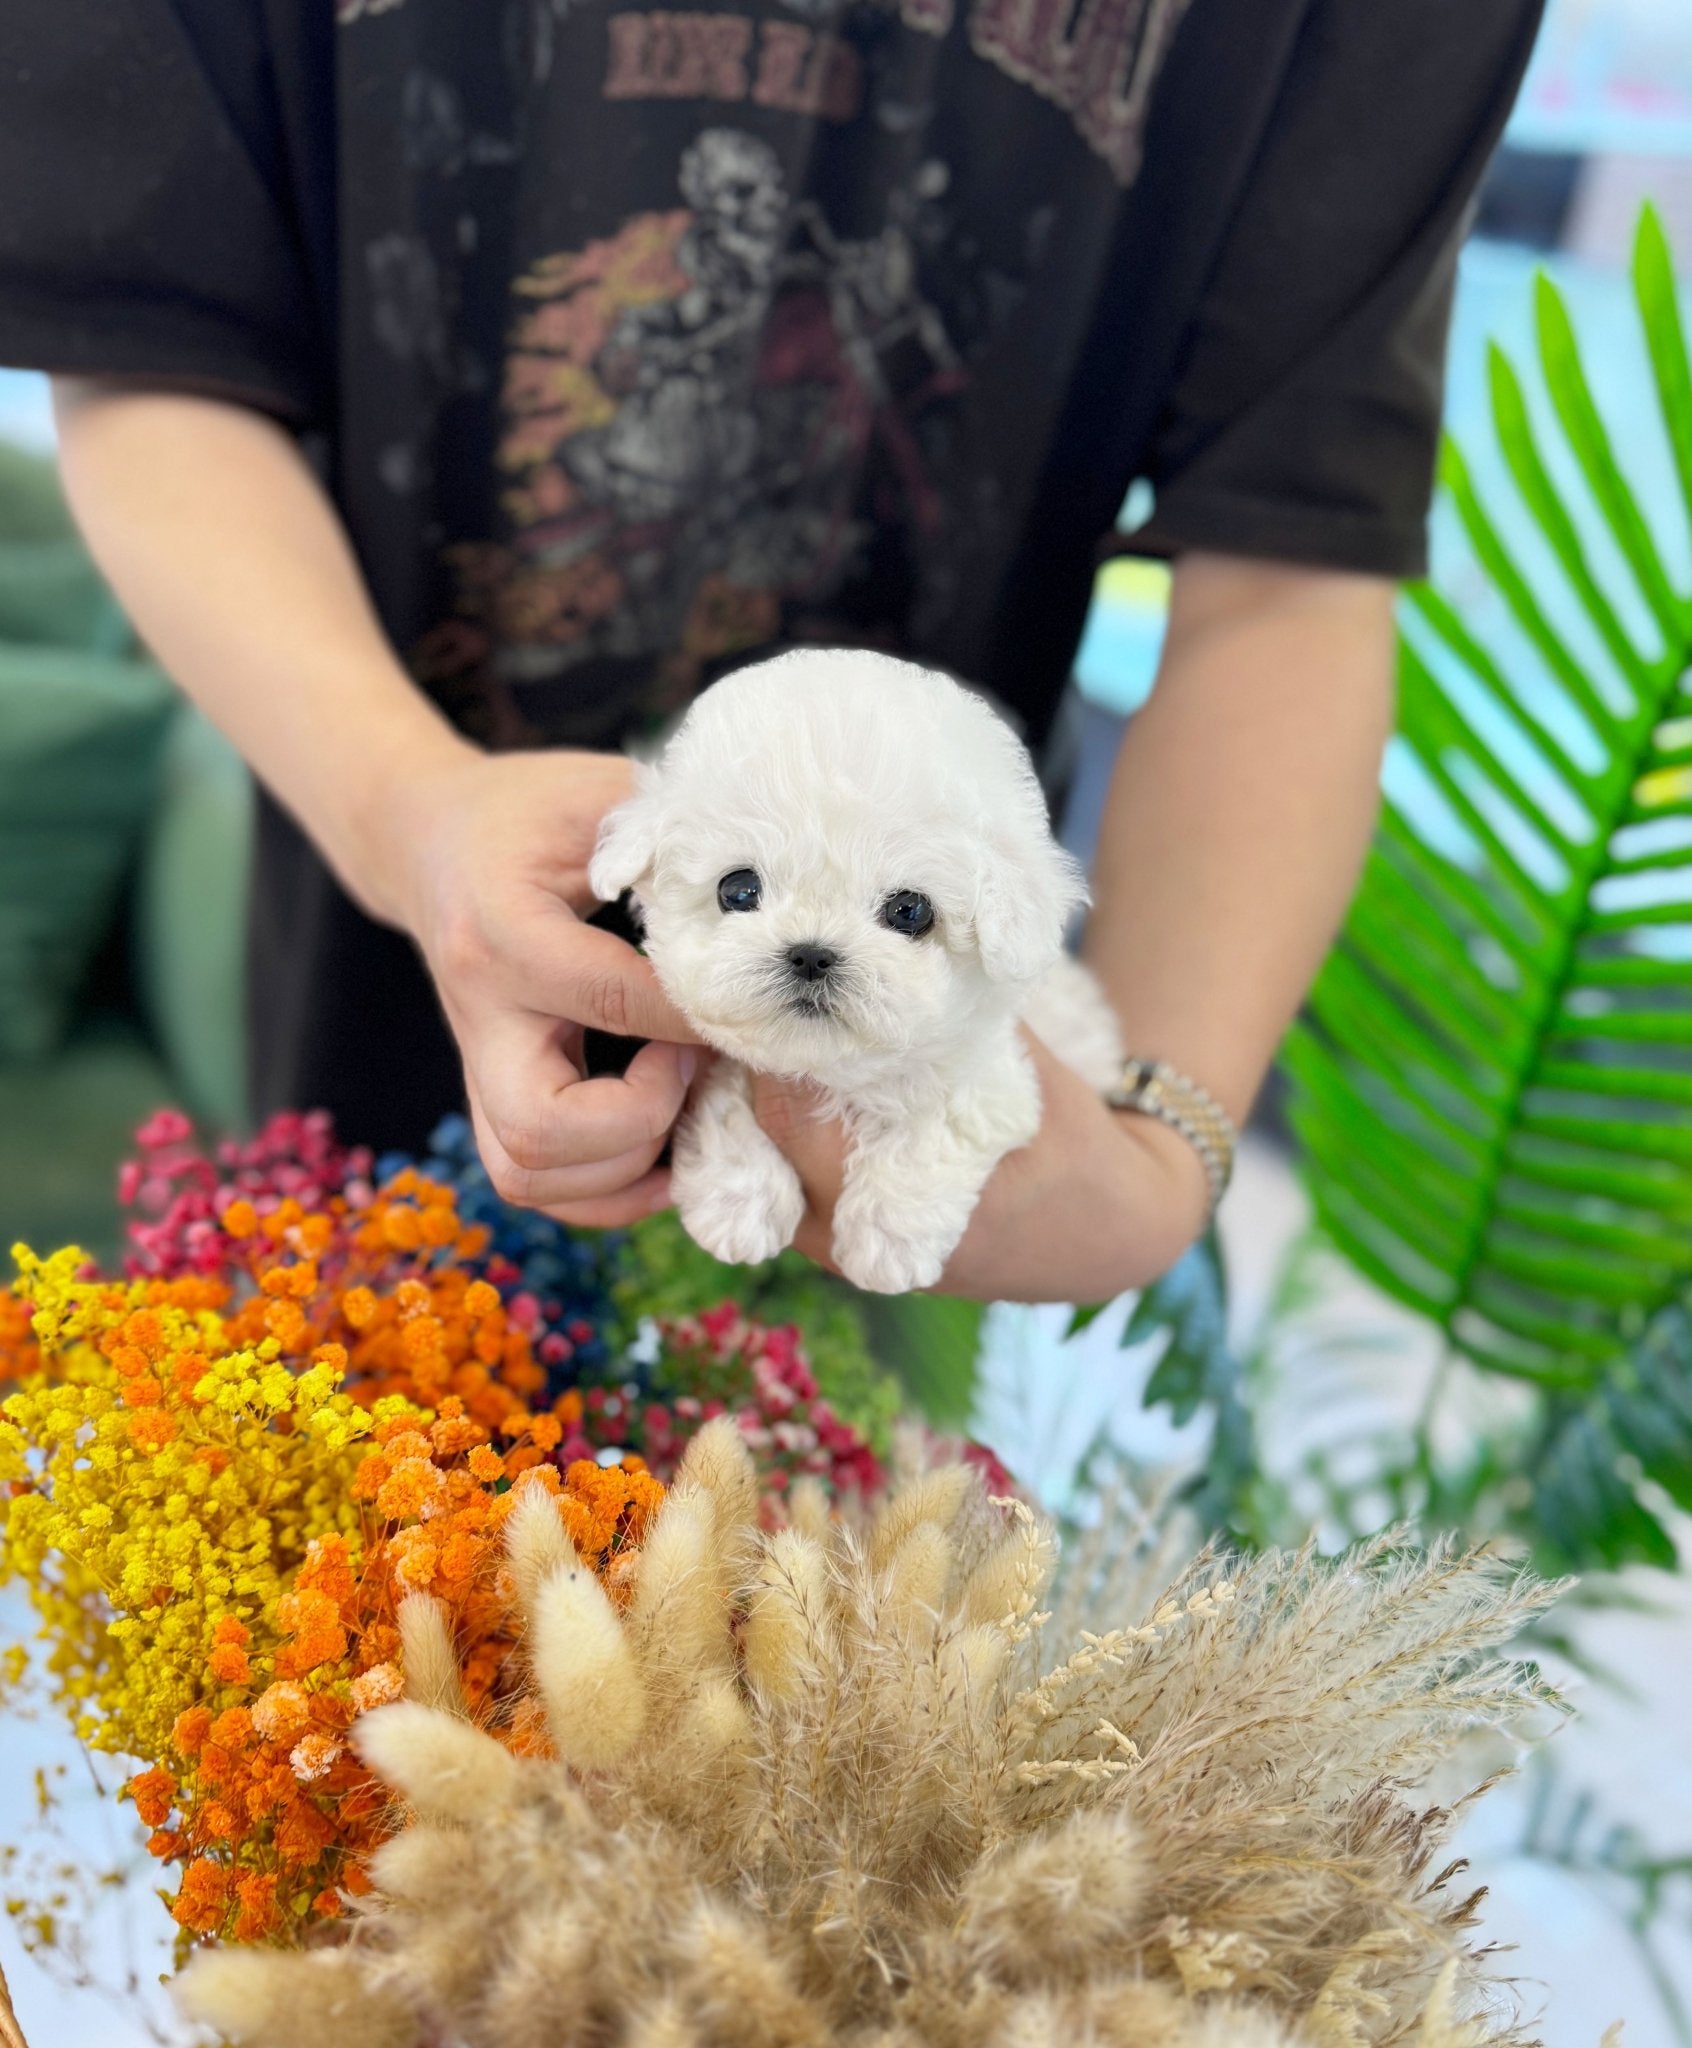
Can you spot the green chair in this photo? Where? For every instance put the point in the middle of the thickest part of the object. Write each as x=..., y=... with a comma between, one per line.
x=124, y=831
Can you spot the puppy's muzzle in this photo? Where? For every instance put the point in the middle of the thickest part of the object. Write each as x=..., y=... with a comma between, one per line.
x=809, y=971
x=811, y=963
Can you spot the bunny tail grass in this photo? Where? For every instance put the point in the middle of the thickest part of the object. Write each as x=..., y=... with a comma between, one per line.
x=269, y=1999
x=832, y=1786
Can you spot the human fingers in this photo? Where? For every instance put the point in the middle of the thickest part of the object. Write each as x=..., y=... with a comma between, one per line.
x=645, y=1197
x=551, y=1188
x=788, y=1113
x=567, y=969
x=545, y=1116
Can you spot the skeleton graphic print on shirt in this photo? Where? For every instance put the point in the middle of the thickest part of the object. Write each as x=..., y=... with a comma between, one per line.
x=690, y=406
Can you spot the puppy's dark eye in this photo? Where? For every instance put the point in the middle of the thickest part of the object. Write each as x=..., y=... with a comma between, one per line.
x=741, y=890
x=907, y=912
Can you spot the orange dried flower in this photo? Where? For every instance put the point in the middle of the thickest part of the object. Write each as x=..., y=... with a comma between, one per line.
x=311, y=1619
x=258, y=1913
x=304, y=1833
x=376, y=1687
x=371, y=1476
x=144, y=1330
x=412, y=1486
x=218, y=1822
x=282, y=1712
x=459, y=1557
x=187, y=1369
x=437, y=1227
x=240, y=1219
x=415, y=1564
x=203, y=1898
x=314, y=1756
x=421, y=1340
x=154, y=1793
x=317, y=1233
x=230, y=1665
x=285, y=1320
x=150, y=1429
x=192, y=1726
x=232, y=1728
x=328, y=1567
x=402, y=1227
x=454, y=1434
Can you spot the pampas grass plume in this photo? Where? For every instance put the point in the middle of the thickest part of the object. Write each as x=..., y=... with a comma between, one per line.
x=783, y=1639
x=1038, y=1909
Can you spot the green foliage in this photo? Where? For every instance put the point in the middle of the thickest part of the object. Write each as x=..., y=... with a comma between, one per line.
x=931, y=1342
x=1197, y=1370
x=871, y=1354
x=1635, y=1424
x=1492, y=1082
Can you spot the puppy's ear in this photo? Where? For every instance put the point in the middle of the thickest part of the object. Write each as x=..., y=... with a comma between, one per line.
x=1026, y=888
x=627, y=847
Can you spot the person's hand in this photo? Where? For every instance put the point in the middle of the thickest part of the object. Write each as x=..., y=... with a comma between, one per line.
x=1100, y=1202
x=484, y=861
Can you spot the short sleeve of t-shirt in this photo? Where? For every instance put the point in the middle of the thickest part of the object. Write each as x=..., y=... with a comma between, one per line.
x=1303, y=417
x=142, y=230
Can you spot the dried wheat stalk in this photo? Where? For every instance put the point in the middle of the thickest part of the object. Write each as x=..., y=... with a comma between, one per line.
x=11, y=2034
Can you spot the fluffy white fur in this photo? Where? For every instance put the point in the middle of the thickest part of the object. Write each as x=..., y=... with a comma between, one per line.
x=841, y=778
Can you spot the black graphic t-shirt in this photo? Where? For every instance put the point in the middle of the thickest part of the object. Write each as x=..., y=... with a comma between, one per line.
x=637, y=340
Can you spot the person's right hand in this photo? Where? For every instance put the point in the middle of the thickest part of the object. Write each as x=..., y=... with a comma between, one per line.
x=214, y=527
x=483, y=858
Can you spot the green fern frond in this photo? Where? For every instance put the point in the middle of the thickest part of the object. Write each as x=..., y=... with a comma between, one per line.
x=1493, y=1082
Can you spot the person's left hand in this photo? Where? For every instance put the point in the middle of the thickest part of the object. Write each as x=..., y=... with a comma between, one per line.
x=1102, y=1201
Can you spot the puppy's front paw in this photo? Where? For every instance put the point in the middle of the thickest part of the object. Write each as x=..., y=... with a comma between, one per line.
x=883, y=1260
x=742, y=1215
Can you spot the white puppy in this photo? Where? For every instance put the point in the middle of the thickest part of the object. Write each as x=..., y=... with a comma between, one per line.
x=845, y=873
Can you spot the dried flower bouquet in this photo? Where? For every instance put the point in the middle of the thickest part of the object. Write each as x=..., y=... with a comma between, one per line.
x=848, y=1783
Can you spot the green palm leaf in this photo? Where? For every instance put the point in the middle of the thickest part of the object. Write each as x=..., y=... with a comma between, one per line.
x=1492, y=1085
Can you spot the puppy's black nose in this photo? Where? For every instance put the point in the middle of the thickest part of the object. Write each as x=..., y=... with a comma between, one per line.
x=810, y=962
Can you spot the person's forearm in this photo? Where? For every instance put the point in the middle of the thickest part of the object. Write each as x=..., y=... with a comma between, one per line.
x=1239, y=813
x=237, y=573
